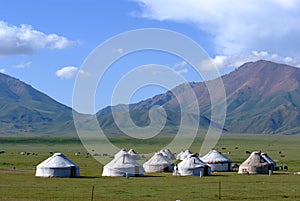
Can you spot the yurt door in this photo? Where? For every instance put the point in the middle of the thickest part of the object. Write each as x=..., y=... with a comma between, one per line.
x=73, y=171
x=136, y=170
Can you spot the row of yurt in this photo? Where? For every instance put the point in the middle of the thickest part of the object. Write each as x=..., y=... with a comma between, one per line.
x=123, y=165
x=257, y=163
x=58, y=165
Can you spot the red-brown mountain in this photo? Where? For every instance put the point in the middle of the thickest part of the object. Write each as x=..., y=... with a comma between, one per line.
x=262, y=97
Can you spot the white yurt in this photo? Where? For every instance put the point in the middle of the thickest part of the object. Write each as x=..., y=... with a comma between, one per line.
x=269, y=160
x=217, y=161
x=167, y=153
x=158, y=163
x=192, y=165
x=182, y=155
x=123, y=165
x=255, y=164
x=58, y=165
x=135, y=155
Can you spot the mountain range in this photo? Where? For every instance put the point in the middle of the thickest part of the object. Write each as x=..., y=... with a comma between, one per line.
x=261, y=97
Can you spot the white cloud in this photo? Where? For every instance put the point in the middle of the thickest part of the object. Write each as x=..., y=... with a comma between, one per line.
x=23, y=65
x=67, y=72
x=118, y=50
x=180, y=64
x=179, y=67
x=237, y=60
x=182, y=71
x=83, y=73
x=236, y=26
x=2, y=70
x=26, y=40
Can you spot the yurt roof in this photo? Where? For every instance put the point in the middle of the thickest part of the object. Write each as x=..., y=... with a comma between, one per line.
x=132, y=151
x=122, y=161
x=268, y=158
x=255, y=159
x=167, y=153
x=191, y=161
x=214, y=157
x=158, y=158
x=121, y=152
x=57, y=160
x=182, y=155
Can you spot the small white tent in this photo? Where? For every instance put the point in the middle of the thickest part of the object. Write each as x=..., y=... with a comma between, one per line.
x=167, y=153
x=182, y=155
x=122, y=165
x=58, y=165
x=255, y=164
x=158, y=163
x=192, y=165
x=135, y=155
x=217, y=161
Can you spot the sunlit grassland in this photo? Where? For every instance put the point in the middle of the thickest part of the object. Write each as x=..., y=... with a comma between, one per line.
x=20, y=184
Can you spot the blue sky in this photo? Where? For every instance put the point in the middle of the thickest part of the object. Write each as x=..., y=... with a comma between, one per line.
x=44, y=43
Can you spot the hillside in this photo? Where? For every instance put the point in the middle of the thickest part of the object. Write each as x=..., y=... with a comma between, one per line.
x=24, y=110
x=262, y=97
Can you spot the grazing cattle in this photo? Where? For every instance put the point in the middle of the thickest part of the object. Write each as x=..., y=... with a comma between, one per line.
x=236, y=148
x=279, y=152
x=223, y=148
x=77, y=153
x=51, y=152
x=285, y=167
x=248, y=152
x=229, y=153
x=2, y=152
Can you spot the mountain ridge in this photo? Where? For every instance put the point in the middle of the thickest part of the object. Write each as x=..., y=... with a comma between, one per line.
x=249, y=90
x=262, y=97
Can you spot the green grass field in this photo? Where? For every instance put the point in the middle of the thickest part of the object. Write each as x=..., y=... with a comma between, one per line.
x=21, y=184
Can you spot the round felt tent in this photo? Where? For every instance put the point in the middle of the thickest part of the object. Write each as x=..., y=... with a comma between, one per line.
x=192, y=165
x=123, y=165
x=158, y=163
x=58, y=165
x=255, y=164
x=217, y=161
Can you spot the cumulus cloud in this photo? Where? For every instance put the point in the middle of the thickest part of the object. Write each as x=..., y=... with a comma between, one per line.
x=67, y=72
x=16, y=40
x=23, y=65
x=236, y=26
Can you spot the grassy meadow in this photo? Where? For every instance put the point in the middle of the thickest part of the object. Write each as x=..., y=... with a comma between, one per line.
x=17, y=180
